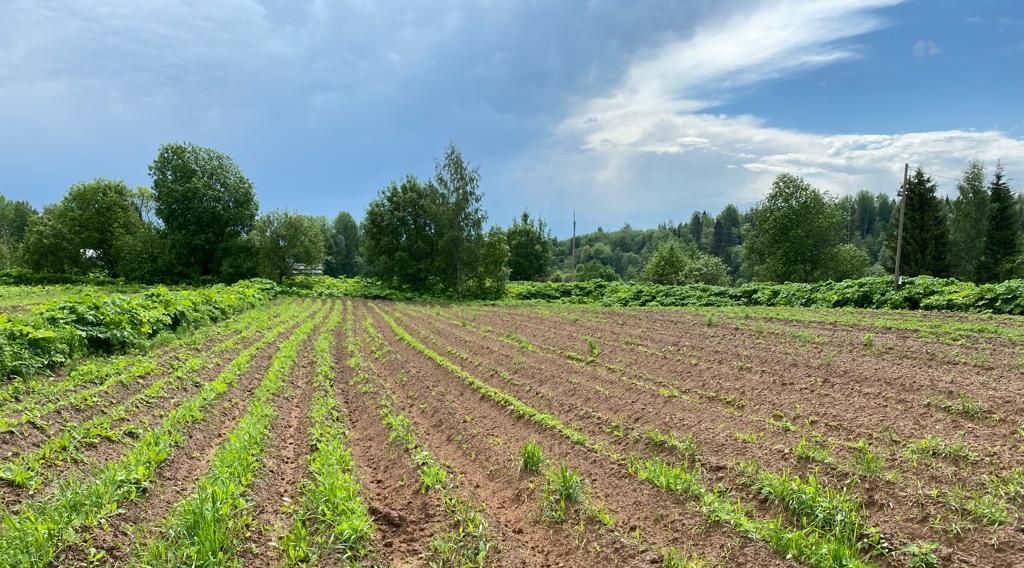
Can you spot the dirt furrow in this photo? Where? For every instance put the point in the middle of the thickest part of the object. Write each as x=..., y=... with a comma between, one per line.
x=483, y=440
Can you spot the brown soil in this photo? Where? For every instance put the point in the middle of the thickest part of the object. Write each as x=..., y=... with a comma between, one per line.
x=774, y=382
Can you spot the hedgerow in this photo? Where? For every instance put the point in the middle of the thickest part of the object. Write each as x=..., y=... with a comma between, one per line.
x=55, y=332
x=920, y=293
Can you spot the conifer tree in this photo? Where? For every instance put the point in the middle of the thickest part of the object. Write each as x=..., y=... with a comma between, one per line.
x=925, y=237
x=1002, y=233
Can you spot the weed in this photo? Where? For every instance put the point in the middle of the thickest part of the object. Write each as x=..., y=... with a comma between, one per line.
x=616, y=429
x=685, y=447
x=531, y=457
x=813, y=449
x=672, y=558
x=748, y=437
x=964, y=406
x=868, y=462
x=593, y=348
x=869, y=340
x=931, y=447
x=563, y=490
x=921, y=554
x=466, y=545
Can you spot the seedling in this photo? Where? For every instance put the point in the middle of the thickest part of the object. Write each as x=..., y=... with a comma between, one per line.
x=531, y=457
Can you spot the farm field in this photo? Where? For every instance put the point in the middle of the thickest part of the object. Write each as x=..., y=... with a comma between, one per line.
x=319, y=432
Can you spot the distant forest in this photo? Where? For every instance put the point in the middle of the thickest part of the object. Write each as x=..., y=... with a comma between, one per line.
x=199, y=221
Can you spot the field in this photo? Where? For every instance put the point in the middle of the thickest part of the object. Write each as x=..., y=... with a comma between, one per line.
x=370, y=432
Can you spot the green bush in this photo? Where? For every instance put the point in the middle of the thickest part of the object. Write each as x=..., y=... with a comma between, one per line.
x=920, y=293
x=55, y=332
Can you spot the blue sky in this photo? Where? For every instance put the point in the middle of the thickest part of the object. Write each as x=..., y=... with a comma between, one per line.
x=624, y=111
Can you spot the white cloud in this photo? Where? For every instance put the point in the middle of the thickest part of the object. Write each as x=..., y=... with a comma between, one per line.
x=661, y=118
x=926, y=48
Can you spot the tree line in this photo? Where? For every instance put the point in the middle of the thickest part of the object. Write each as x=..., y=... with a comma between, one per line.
x=199, y=220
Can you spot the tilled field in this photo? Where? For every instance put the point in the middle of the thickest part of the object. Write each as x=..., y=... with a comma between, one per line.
x=326, y=432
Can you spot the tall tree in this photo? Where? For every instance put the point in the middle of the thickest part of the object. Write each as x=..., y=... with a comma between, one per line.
x=794, y=231
x=925, y=237
x=283, y=240
x=460, y=219
x=673, y=263
x=697, y=229
x=529, y=246
x=398, y=235
x=968, y=223
x=1002, y=231
x=343, y=247
x=206, y=204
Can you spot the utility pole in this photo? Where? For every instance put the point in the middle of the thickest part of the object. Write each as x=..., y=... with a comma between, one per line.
x=573, y=245
x=899, y=233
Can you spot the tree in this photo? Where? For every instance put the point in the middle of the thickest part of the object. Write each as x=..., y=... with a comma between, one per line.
x=283, y=240
x=1002, y=231
x=968, y=222
x=794, y=230
x=529, y=245
x=398, y=235
x=82, y=233
x=459, y=219
x=492, y=268
x=675, y=264
x=925, y=237
x=697, y=229
x=343, y=247
x=206, y=204
x=594, y=270
x=14, y=219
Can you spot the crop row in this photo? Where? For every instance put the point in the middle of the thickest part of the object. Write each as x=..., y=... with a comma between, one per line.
x=800, y=538
x=26, y=469
x=31, y=534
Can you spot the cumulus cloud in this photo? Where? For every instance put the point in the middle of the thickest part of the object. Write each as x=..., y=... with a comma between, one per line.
x=663, y=112
x=926, y=48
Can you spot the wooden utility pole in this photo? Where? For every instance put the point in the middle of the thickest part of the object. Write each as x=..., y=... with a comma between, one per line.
x=573, y=245
x=899, y=232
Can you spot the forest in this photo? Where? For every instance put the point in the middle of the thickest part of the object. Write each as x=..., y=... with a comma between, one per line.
x=199, y=221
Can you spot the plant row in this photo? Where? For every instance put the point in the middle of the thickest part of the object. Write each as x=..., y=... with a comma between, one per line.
x=203, y=530
x=26, y=469
x=32, y=534
x=57, y=332
x=332, y=515
x=805, y=543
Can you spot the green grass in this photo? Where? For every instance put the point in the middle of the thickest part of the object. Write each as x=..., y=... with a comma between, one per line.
x=685, y=447
x=531, y=457
x=332, y=517
x=964, y=406
x=814, y=449
x=32, y=534
x=563, y=492
x=205, y=529
x=932, y=447
x=867, y=461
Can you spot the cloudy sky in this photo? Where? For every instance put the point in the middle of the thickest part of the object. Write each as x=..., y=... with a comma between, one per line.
x=623, y=111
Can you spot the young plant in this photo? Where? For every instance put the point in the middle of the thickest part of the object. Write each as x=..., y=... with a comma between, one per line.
x=531, y=457
x=562, y=491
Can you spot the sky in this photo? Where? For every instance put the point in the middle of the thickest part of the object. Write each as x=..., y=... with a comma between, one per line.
x=637, y=112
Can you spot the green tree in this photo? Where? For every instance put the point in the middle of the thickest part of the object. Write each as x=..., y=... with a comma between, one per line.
x=529, y=245
x=1002, y=231
x=595, y=270
x=925, y=236
x=343, y=247
x=697, y=229
x=398, y=235
x=81, y=234
x=459, y=218
x=968, y=223
x=206, y=204
x=793, y=232
x=673, y=263
x=492, y=266
x=282, y=240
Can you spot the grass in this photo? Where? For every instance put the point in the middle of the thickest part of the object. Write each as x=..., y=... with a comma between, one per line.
x=964, y=406
x=814, y=449
x=932, y=447
x=921, y=554
x=332, y=516
x=748, y=437
x=205, y=528
x=563, y=491
x=531, y=457
x=685, y=447
x=31, y=535
x=867, y=462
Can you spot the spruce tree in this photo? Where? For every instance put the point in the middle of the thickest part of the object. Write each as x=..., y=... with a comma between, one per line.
x=696, y=229
x=1001, y=236
x=967, y=223
x=925, y=238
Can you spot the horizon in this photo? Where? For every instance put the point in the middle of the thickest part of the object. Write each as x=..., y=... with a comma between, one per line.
x=628, y=120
